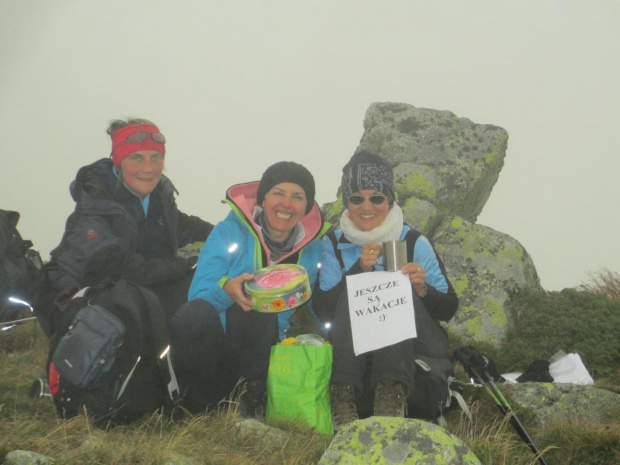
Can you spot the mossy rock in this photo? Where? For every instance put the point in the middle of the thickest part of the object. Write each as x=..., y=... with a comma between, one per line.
x=391, y=441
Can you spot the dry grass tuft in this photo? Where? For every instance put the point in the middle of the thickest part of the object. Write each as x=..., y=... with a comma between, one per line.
x=603, y=282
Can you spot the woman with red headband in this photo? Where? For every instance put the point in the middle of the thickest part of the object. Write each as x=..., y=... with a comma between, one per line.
x=125, y=224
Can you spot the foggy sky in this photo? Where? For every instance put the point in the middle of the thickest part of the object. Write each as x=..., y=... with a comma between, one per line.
x=238, y=85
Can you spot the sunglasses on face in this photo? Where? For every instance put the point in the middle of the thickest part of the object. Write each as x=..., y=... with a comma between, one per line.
x=142, y=136
x=376, y=199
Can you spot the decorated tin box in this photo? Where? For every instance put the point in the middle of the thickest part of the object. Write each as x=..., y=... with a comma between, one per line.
x=279, y=288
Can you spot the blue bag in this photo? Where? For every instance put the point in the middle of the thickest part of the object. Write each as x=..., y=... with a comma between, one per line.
x=88, y=350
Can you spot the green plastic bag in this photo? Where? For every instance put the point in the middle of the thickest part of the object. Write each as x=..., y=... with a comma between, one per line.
x=298, y=385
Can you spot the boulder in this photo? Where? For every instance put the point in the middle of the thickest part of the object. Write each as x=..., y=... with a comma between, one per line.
x=387, y=440
x=555, y=403
x=251, y=427
x=484, y=266
x=25, y=457
x=450, y=162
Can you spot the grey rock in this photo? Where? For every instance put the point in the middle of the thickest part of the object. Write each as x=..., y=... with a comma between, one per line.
x=261, y=431
x=25, y=457
x=484, y=266
x=423, y=214
x=386, y=440
x=554, y=403
x=449, y=161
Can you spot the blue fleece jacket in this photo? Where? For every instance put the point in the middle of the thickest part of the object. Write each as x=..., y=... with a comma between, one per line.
x=332, y=274
x=440, y=301
x=235, y=246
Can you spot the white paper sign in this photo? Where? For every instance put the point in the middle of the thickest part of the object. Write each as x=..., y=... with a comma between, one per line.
x=381, y=309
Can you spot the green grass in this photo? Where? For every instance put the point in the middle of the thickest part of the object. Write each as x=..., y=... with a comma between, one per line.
x=33, y=425
x=571, y=320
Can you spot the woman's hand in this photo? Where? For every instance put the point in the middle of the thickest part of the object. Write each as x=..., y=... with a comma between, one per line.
x=370, y=255
x=417, y=277
x=234, y=288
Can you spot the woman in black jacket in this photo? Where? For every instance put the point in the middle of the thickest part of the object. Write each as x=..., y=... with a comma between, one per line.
x=125, y=224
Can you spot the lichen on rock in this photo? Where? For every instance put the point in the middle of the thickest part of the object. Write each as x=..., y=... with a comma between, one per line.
x=386, y=440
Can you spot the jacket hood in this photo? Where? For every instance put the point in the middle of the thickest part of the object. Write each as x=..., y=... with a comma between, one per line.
x=98, y=182
x=243, y=197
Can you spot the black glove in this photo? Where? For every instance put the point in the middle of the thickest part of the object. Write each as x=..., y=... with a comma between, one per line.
x=107, y=263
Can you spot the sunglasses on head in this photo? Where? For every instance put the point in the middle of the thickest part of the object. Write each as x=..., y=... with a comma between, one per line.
x=375, y=199
x=142, y=136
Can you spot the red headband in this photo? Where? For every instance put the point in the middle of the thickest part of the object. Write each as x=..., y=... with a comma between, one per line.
x=121, y=149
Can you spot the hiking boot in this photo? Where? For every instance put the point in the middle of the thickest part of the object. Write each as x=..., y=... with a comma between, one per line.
x=390, y=399
x=252, y=404
x=344, y=410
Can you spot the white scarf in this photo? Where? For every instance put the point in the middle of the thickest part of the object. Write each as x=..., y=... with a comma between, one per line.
x=389, y=230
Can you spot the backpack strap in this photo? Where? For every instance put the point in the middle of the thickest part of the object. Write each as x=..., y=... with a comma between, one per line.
x=331, y=235
x=123, y=296
x=161, y=340
x=455, y=393
x=411, y=237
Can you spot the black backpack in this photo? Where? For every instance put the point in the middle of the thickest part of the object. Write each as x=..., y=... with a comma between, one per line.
x=19, y=266
x=111, y=356
x=437, y=391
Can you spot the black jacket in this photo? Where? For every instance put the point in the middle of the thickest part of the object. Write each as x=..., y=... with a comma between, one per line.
x=108, y=234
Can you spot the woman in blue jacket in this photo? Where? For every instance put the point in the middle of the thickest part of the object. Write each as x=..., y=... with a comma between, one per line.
x=272, y=221
x=372, y=217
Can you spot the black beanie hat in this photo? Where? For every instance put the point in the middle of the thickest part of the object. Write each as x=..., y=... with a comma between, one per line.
x=367, y=171
x=287, y=171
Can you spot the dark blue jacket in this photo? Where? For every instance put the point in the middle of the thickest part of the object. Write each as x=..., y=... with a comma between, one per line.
x=109, y=235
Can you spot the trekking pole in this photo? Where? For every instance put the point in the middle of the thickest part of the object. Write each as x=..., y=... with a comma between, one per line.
x=476, y=366
x=8, y=323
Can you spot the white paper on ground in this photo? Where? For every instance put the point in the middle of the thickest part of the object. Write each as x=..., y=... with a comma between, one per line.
x=570, y=369
x=511, y=378
x=567, y=368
